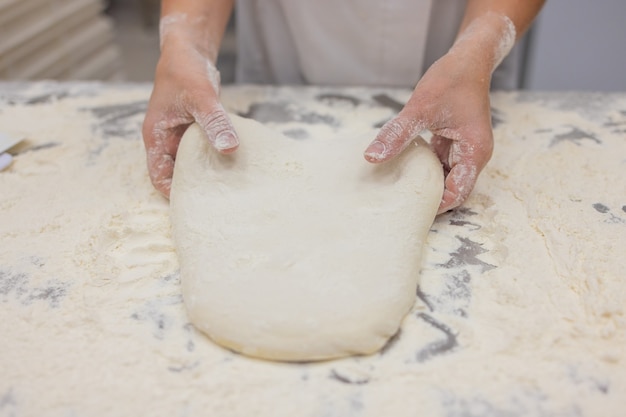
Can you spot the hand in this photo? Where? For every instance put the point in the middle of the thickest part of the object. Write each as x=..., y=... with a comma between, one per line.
x=452, y=101
x=186, y=90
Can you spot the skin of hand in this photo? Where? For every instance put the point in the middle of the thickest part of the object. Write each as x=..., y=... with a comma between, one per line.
x=452, y=100
x=186, y=89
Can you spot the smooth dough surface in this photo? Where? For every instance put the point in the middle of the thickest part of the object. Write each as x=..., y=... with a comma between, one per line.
x=300, y=249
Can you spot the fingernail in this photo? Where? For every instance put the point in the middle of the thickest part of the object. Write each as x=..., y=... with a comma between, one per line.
x=376, y=150
x=449, y=201
x=225, y=140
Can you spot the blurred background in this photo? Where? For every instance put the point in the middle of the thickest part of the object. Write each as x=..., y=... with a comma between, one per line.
x=574, y=44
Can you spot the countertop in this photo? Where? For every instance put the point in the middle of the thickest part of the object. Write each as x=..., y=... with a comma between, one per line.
x=519, y=312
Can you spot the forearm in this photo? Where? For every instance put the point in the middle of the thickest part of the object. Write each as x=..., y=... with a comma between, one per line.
x=490, y=28
x=520, y=12
x=200, y=23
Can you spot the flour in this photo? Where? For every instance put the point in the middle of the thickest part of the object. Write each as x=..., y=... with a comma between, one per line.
x=520, y=308
x=166, y=23
x=480, y=31
x=507, y=41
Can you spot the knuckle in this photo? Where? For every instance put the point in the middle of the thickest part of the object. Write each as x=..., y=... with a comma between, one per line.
x=392, y=131
x=400, y=131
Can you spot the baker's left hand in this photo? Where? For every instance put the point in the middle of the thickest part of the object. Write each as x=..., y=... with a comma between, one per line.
x=451, y=101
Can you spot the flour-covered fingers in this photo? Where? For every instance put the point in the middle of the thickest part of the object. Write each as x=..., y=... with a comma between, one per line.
x=393, y=138
x=466, y=159
x=459, y=184
x=218, y=128
x=161, y=147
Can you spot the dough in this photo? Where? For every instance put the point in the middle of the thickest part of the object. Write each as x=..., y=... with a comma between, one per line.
x=300, y=250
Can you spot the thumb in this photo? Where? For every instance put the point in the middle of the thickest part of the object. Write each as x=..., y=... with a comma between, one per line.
x=393, y=138
x=218, y=128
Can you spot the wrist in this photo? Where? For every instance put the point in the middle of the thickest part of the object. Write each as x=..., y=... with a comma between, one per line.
x=185, y=59
x=485, y=42
x=180, y=32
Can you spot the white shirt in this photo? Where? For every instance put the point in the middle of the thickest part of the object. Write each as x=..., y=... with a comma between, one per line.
x=345, y=42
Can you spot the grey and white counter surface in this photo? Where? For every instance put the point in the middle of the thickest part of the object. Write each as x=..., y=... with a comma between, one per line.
x=520, y=309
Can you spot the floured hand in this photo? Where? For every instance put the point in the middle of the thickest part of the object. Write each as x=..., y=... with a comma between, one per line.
x=186, y=90
x=452, y=101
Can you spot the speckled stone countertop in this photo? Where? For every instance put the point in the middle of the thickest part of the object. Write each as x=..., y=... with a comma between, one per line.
x=519, y=312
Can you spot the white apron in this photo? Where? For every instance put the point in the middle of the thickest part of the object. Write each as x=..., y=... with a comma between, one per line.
x=345, y=42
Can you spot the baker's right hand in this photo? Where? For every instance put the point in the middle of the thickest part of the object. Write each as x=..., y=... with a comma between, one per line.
x=186, y=90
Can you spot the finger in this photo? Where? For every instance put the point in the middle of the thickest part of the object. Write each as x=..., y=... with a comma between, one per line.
x=458, y=186
x=218, y=128
x=161, y=147
x=161, y=170
x=393, y=138
x=466, y=160
x=441, y=146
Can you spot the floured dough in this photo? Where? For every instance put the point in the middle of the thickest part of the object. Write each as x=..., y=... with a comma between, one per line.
x=300, y=249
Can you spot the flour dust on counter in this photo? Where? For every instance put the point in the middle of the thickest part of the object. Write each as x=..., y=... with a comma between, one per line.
x=300, y=250
x=519, y=308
